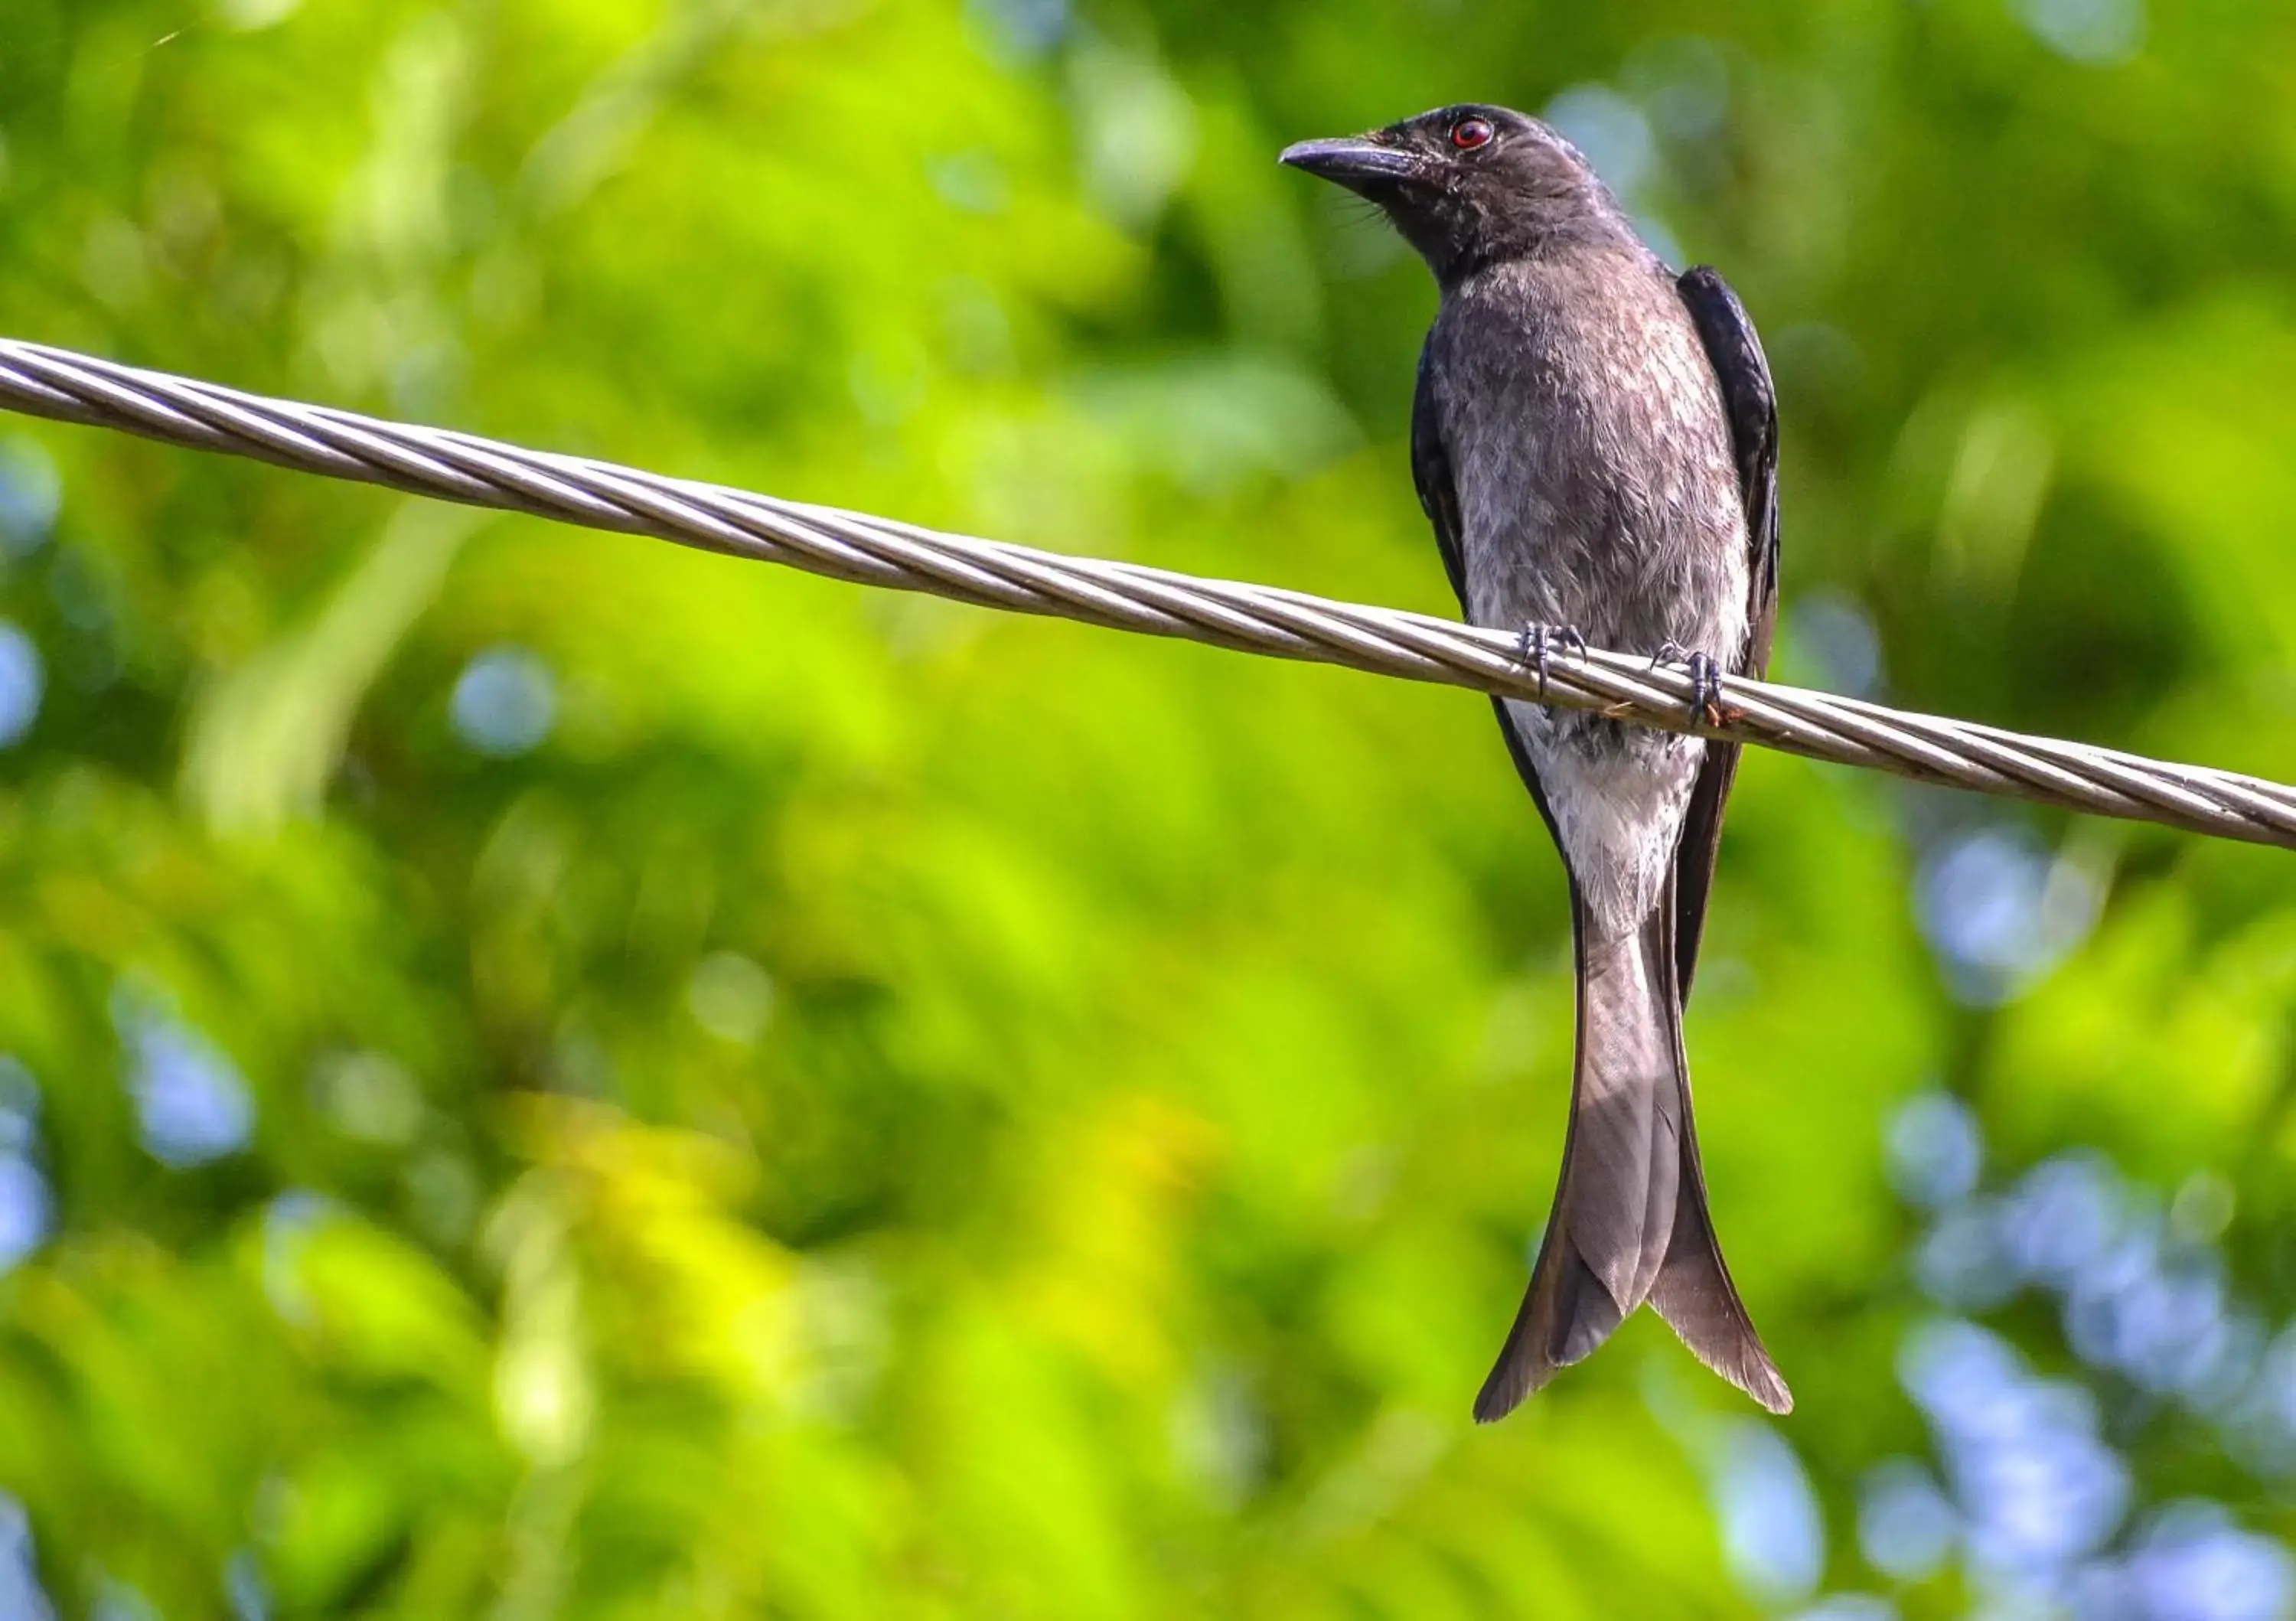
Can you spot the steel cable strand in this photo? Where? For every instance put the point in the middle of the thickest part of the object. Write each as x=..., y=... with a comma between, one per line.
x=865, y=549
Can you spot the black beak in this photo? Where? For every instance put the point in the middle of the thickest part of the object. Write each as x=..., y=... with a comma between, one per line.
x=1353, y=161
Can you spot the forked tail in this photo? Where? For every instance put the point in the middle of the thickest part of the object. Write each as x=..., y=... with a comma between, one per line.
x=1630, y=1222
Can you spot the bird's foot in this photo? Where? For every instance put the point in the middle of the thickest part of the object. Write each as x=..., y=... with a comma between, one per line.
x=1705, y=680
x=1536, y=643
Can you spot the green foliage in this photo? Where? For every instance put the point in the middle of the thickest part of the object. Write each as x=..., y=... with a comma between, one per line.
x=571, y=1078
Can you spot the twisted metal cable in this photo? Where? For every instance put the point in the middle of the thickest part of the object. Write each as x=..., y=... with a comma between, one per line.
x=42, y=381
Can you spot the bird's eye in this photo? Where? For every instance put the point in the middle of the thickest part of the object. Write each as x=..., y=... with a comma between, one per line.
x=1468, y=134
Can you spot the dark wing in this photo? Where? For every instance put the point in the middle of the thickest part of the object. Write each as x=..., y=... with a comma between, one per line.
x=1431, y=471
x=1752, y=404
x=1439, y=497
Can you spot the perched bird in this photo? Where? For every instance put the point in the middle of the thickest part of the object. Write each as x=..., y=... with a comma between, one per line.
x=1595, y=443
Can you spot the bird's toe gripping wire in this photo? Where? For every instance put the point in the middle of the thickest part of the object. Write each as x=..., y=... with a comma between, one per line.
x=1534, y=644
x=1705, y=679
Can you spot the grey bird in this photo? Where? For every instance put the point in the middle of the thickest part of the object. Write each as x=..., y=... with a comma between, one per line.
x=1594, y=441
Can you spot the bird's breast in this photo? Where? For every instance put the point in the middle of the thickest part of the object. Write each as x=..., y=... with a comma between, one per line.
x=1592, y=459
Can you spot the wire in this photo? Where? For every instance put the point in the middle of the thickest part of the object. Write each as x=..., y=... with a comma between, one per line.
x=58, y=383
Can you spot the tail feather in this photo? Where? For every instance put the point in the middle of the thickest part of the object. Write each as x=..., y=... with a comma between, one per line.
x=1630, y=1221
x=1700, y=1302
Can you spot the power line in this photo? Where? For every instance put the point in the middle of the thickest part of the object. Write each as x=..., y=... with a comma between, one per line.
x=44, y=381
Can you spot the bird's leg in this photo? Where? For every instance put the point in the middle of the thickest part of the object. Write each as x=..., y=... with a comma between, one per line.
x=1705, y=679
x=1536, y=642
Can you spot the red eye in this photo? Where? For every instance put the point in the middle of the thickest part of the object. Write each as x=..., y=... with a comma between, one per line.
x=1468, y=134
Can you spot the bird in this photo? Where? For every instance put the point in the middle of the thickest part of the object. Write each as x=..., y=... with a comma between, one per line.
x=1594, y=441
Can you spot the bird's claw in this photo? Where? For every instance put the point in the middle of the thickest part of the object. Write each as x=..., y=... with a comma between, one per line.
x=1536, y=643
x=1705, y=680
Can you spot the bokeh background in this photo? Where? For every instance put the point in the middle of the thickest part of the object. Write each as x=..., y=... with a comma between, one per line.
x=546, y=1075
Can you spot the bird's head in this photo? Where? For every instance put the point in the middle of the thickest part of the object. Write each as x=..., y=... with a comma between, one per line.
x=1467, y=185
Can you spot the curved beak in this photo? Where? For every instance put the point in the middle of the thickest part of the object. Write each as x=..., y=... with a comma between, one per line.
x=1353, y=161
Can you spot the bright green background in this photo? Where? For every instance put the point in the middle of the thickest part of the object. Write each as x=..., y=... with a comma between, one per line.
x=892, y=1110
